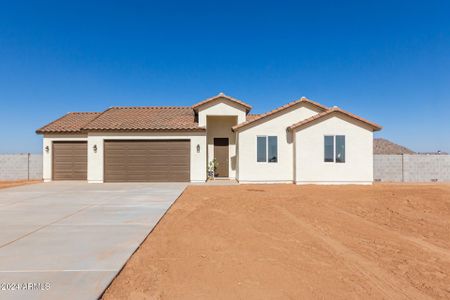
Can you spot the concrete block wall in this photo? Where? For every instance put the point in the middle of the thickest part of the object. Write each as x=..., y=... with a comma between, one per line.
x=387, y=168
x=20, y=166
x=426, y=168
x=411, y=168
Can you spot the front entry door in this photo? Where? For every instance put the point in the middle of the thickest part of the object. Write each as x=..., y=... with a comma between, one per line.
x=221, y=156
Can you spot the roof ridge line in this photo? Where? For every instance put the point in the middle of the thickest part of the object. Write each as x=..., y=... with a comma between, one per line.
x=150, y=107
x=99, y=115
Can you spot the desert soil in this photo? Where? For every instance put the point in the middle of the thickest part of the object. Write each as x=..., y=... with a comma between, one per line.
x=296, y=242
x=13, y=183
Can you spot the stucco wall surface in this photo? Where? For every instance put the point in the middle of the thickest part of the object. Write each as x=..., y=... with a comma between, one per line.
x=221, y=107
x=309, y=148
x=249, y=170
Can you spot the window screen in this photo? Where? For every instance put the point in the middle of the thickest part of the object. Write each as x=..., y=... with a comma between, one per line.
x=273, y=149
x=329, y=148
x=261, y=149
x=340, y=148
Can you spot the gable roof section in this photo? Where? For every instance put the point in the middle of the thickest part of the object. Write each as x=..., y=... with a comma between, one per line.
x=72, y=122
x=222, y=95
x=170, y=118
x=165, y=118
x=279, y=109
x=334, y=110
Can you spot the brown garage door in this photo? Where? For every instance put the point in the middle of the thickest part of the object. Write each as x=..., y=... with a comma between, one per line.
x=147, y=161
x=69, y=160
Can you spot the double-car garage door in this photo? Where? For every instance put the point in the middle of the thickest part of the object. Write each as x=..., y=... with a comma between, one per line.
x=126, y=161
x=147, y=161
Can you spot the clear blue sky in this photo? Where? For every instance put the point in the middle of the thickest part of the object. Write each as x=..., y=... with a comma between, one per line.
x=388, y=61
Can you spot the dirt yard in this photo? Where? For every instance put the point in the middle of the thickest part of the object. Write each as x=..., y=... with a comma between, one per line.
x=296, y=242
x=7, y=184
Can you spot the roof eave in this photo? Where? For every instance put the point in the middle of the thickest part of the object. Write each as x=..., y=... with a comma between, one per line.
x=60, y=131
x=43, y=129
x=302, y=100
x=374, y=126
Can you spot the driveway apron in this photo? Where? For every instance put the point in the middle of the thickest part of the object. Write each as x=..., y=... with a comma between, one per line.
x=68, y=240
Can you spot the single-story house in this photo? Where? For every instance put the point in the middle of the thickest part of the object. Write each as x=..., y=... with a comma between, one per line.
x=301, y=142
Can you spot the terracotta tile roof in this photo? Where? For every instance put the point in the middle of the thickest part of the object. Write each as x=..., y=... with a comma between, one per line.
x=383, y=146
x=167, y=118
x=279, y=109
x=145, y=118
x=251, y=117
x=69, y=123
x=222, y=95
x=374, y=126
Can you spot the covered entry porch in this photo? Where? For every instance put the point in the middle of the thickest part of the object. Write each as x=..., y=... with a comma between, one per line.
x=221, y=142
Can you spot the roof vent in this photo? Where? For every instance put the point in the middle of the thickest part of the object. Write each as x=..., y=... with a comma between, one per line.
x=335, y=106
x=221, y=94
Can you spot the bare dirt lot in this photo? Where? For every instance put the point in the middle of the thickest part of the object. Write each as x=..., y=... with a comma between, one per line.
x=296, y=242
x=13, y=183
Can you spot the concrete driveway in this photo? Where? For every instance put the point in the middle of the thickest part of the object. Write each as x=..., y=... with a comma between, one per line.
x=69, y=239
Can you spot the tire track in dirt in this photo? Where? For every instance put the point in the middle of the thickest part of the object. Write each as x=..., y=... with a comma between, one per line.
x=218, y=237
x=427, y=246
x=385, y=283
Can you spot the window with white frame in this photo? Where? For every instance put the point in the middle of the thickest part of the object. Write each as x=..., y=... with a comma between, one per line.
x=267, y=149
x=334, y=148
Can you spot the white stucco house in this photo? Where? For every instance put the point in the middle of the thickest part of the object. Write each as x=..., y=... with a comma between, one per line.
x=302, y=142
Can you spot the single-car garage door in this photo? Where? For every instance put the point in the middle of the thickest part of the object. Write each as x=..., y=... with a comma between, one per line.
x=147, y=161
x=69, y=161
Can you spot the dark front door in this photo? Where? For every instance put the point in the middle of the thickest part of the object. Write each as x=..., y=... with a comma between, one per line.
x=221, y=156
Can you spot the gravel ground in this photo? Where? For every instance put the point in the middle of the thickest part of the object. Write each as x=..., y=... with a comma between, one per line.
x=296, y=242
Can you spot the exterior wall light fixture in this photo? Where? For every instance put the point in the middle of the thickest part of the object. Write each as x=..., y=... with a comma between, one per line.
x=95, y=148
x=47, y=149
x=198, y=148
